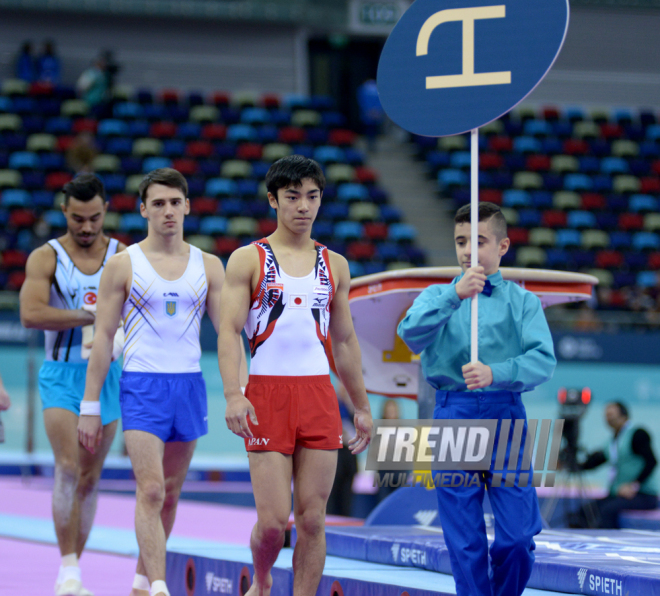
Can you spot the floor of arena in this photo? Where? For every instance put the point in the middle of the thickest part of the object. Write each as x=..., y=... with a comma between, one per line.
x=207, y=552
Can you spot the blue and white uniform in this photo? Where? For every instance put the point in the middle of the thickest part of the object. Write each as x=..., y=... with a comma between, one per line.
x=515, y=341
x=62, y=375
x=162, y=388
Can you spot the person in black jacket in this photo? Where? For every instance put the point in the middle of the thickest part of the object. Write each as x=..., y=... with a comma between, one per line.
x=632, y=484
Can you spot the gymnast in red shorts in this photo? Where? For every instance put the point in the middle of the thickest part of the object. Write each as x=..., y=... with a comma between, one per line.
x=290, y=294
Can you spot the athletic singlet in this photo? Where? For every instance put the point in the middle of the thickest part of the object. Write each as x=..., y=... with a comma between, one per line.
x=70, y=290
x=288, y=322
x=162, y=318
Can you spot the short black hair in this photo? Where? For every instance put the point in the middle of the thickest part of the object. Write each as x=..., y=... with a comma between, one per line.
x=623, y=409
x=291, y=171
x=165, y=176
x=84, y=187
x=487, y=212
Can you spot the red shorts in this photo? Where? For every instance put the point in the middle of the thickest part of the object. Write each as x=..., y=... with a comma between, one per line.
x=293, y=411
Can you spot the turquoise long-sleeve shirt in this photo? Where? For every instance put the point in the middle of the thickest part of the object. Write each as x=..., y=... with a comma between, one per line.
x=514, y=338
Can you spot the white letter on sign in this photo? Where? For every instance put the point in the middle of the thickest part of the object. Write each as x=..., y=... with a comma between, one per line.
x=468, y=16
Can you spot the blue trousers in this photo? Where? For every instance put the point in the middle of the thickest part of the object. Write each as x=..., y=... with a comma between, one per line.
x=515, y=509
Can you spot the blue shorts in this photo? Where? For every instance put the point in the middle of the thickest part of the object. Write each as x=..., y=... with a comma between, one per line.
x=62, y=385
x=171, y=406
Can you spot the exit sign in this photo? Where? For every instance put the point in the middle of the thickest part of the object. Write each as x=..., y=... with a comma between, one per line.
x=375, y=17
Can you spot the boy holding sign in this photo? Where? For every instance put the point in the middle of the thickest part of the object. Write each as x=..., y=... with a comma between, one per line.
x=516, y=355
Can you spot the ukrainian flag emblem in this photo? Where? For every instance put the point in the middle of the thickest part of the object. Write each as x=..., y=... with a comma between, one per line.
x=170, y=308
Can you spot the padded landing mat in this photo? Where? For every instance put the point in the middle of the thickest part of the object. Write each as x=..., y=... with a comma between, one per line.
x=618, y=562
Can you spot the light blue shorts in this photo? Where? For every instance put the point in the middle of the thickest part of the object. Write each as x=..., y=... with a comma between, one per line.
x=62, y=385
x=171, y=406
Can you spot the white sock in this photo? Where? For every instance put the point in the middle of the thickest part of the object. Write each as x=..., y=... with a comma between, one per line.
x=71, y=573
x=141, y=582
x=158, y=587
x=70, y=560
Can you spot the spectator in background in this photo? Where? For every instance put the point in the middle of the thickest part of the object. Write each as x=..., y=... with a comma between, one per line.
x=92, y=84
x=633, y=462
x=81, y=153
x=25, y=63
x=5, y=402
x=48, y=64
x=390, y=411
x=341, y=495
x=372, y=114
x=112, y=69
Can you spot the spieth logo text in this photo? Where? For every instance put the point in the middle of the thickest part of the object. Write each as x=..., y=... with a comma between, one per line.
x=505, y=448
x=222, y=585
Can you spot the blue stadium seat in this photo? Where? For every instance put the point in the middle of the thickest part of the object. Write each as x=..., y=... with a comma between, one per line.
x=280, y=117
x=460, y=159
x=127, y=110
x=355, y=269
x=401, y=232
x=55, y=219
x=177, y=113
x=334, y=211
x=255, y=116
x=119, y=146
x=516, y=198
x=304, y=150
x=15, y=197
x=58, y=126
x=191, y=224
x=267, y=134
x=352, y=192
x=578, y=182
x=557, y=258
x=210, y=168
x=232, y=207
x=323, y=229
x=635, y=261
x=589, y=164
x=620, y=240
x=527, y=145
x=138, y=128
x=645, y=241
x=607, y=221
x=220, y=186
x=114, y=183
x=155, y=112
x=653, y=132
x=247, y=188
x=541, y=199
x=529, y=218
x=388, y=252
x=638, y=203
x=189, y=130
x=24, y=160
x=562, y=128
x=6, y=105
x=438, y=159
x=174, y=147
x=333, y=119
x=552, y=146
x=649, y=149
x=647, y=279
x=390, y=214
x=515, y=161
x=447, y=178
x=259, y=169
x=327, y=154
x=537, y=128
x=583, y=258
x=132, y=222
x=614, y=165
x=241, y=132
x=568, y=238
x=348, y=230
x=131, y=165
x=581, y=219
x=112, y=127
x=43, y=199
x=354, y=157
x=371, y=267
x=34, y=179
x=33, y=124
x=154, y=163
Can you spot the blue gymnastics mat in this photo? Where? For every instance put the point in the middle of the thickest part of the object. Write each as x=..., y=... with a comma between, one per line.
x=617, y=562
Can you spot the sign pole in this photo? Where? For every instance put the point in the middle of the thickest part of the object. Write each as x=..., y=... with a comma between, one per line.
x=474, y=239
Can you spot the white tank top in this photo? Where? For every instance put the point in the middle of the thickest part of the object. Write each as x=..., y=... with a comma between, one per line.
x=288, y=322
x=162, y=318
x=70, y=290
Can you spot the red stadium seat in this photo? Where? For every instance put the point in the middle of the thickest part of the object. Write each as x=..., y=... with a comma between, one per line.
x=15, y=280
x=491, y=161
x=270, y=101
x=593, y=201
x=266, y=227
x=611, y=131
x=538, y=163
x=365, y=175
x=655, y=167
x=226, y=246
x=491, y=195
x=204, y=206
x=609, y=259
x=220, y=99
x=163, y=130
x=341, y=137
x=249, y=151
x=126, y=239
x=169, y=96
x=631, y=221
x=22, y=218
x=14, y=259
x=63, y=143
x=42, y=89
x=576, y=147
x=550, y=114
x=199, y=149
x=360, y=251
x=654, y=260
x=617, y=299
x=214, y=132
x=84, y=125
x=650, y=185
x=554, y=219
x=292, y=135
x=500, y=144
x=518, y=236
x=56, y=180
x=123, y=203
x=375, y=230
x=188, y=167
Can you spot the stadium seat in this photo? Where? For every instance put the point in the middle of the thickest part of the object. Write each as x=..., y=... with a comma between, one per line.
x=648, y=279
x=163, y=130
x=132, y=183
x=147, y=147
x=542, y=237
x=631, y=221
x=581, y=220
x=646, y=241
x=516, y=198
x=205, y=243
x=363, y=212
x=511, y=216
x=247, y=188
x=564, y=163
x=595, y=239
x=401, y=232
x=576, y=147
x=538, y=163
x=499, y=144
x=138, y=128
x=605, y=277
x=214, y=132
x=274, y=151
x=220, y=187
x=652, y=222
x=74, y=108
x=460, y=160
x=15, y=197
x=111, y=221
x=640, y=203
x=568, y=238
x=565, y=200
x=352, y=192
x=578, y=182
x=487, y=161
x=112, y=127
x=132, y=222
x=249, y=151
x=530, y=256
x=558, y=258
x=155, y=163
x=527, y=180
x=24, y=160
x=654, y=260
x=450, y=178
x=10, y=179
x=306, y=118
x=242, y=226
x=360, y=251
x=626, y=184
x=527, y=145
x=650, y=185
x=236, y=168
x=10, y=122
x=625, y=148
x=106, y=163
x=266, y=227
x=453, y=143
x=337, y=173
x=518, y=236
x=127, y=110
x=174, y=147
x=614, y=165
x=199, y=149
x=189, y=130
x=204, y=113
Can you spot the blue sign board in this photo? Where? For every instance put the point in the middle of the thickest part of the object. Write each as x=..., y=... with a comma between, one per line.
x=450, y=66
